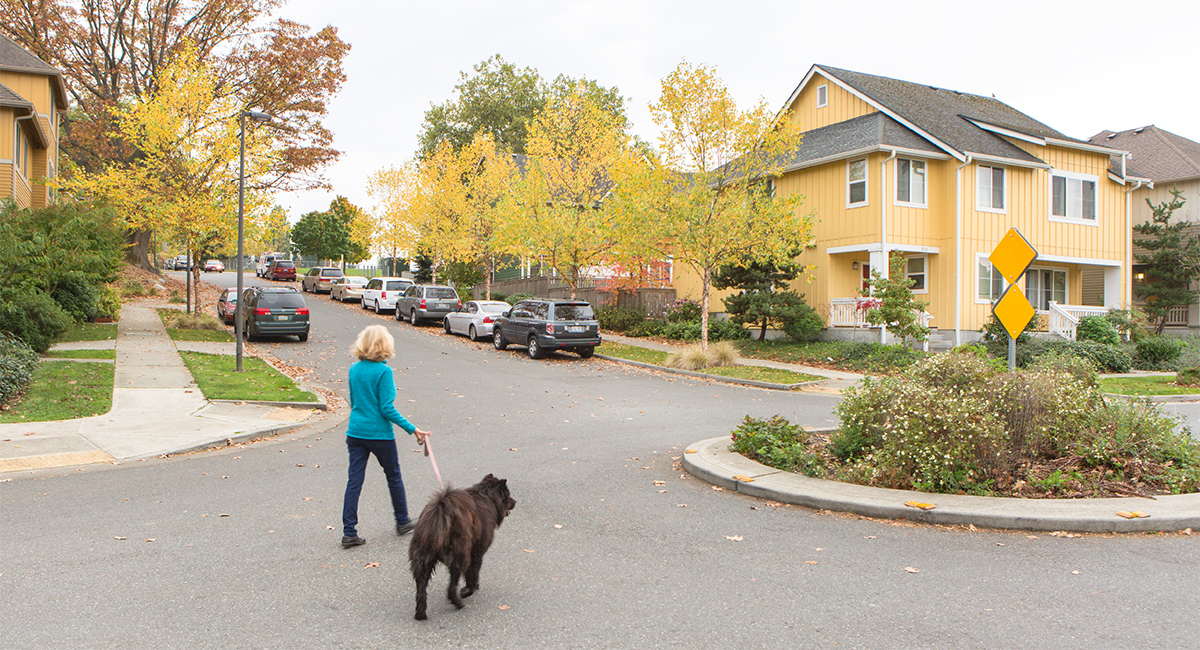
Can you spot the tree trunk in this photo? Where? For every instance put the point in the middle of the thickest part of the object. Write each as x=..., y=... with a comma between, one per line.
x=707, y=282
x=137, y=253
x=762, y=332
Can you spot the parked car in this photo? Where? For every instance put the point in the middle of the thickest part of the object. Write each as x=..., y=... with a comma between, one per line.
x=380, y=294
x=214, y=266
x=281, y=270
x=475, y=318
x=264, y=262
x=347, y=287
x=227, y=305
x=545, y=325
x=320, y=278
x=426, y=301
x=181, y=263
x=273, y=311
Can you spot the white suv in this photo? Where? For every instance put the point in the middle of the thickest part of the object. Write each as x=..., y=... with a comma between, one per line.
x=380, y=293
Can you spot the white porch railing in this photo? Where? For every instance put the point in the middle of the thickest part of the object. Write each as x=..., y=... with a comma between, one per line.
x=1178, y=315
x=1064, y=319
x=852, y=312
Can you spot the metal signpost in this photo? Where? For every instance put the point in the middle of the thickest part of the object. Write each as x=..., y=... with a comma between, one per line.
x=1012, y=257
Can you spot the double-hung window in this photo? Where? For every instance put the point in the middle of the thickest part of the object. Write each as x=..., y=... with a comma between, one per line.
x=910, y=181
x=1045, y=285
x=989, y=188
x=856, y=183
x=914, y=269
x=1073, y=196
x=989, y=282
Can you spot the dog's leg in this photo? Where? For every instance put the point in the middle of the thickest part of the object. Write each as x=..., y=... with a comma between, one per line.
x=422, y=573
x=452, y=590
x=472, y=575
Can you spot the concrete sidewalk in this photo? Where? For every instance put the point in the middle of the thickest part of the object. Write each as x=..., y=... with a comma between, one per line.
x=156, y=409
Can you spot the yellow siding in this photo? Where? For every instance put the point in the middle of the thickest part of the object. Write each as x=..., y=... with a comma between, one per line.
x=842, y=105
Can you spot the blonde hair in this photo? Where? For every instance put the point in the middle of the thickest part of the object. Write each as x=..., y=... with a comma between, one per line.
x=374, y=343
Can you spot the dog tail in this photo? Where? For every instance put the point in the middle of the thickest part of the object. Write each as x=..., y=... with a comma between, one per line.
x=444, y=526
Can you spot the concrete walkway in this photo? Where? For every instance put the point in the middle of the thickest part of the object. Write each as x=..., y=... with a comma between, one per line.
x=156, y=409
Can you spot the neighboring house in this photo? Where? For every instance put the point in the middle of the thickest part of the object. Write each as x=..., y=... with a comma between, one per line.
x=939, y=175
x=33, y=99
x=1166, y=162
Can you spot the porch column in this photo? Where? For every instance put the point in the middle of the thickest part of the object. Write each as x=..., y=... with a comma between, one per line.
x=1112, y=286
x=879, y=262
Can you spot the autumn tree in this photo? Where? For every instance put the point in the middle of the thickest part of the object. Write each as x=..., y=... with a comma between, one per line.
x=114, y=54
x=334, y=234
x=274, y=233
x=707, y=198
x=501, y=101
x=562, y=209
x=398, y=195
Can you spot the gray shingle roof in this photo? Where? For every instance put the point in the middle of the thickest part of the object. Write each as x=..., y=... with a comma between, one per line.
x=15, y=57
x=10, y=98
x=862, y=132
x=946, y=114
x=1158, y=155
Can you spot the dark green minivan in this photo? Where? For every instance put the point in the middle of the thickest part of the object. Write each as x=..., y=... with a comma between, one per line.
x=273, y=311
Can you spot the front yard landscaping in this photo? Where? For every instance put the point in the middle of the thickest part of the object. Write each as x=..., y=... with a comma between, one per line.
x=63, y=390
x=216, y=376
x=191, y=327
x=1146, y=386
x=658, y=358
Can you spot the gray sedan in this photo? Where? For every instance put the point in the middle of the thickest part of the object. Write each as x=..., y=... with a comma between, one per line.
x=475, y=318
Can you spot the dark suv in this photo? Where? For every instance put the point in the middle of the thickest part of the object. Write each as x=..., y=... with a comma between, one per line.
x=271, y=311
x=546, y=325
x=426, y=301
x=281, y=270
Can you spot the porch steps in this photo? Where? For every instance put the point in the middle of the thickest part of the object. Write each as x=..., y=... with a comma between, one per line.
x=941, y=340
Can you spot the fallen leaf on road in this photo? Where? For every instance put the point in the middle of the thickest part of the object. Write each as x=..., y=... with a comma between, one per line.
x=223, y=515
x=718, y=488
x=1074, y=573
x=558, y=525
x=1063, y=533
x=870, y=537
x=735, y=538
x=911, y=570
x=329, y=528
x=512, y=448
x=660, y=491
x=690, y=451
x=812, y=562
x=529, y=550
x=680, y=505
x=151, y=539
x=743, y=478
x=660, y=482
x=1000, y=544
x=922, y=506
x=1132, y=515
x=1187, y=531
x=308, y=498
x=645, y=467
x=502, y=607
x=121, y=538
x=371, y=565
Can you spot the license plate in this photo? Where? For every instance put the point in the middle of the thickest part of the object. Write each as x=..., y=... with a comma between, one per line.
x=281, y=317
x=576, y=329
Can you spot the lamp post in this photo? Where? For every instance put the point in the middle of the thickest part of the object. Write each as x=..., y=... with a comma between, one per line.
x=237, y=318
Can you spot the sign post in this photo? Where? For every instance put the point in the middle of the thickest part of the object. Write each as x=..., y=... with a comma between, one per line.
x=1012, y=257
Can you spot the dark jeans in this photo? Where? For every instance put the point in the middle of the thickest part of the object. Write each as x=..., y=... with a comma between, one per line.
x=385, y=452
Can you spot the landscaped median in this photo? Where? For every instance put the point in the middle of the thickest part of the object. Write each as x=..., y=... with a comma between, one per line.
x=218, y=379
x=1154, y=387
x=743, y=374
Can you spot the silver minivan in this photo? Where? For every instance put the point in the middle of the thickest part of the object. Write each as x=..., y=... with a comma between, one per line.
x=380, y=294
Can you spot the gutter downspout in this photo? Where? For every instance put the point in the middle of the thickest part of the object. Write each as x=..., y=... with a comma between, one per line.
x=883, y=246
x=958, y=252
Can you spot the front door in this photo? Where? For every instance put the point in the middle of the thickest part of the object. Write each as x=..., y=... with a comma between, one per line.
x=866, y=276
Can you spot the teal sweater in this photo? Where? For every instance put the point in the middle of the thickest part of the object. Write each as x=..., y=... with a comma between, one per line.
x=372, y=393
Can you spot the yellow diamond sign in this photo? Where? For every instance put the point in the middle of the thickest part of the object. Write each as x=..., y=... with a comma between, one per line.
x=1013, y=311
x=1012, y=256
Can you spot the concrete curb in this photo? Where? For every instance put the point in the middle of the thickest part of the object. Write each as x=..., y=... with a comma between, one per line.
x=711, y=461
x=720, y=378
x=1157, y=399
x=227, y=441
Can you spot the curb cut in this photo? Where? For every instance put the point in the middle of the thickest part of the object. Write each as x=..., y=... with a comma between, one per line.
x=700, y=375
x=711, y=461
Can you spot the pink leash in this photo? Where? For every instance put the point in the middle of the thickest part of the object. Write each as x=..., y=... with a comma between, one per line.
x=429, y=453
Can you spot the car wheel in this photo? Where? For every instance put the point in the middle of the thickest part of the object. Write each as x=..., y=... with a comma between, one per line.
x=398, y=316
x=586, y=353
x=446, y=325
x=303, y=337
x=535, y=350
x=473, y=334
x=498, y=339
x=412, y=317
x=376, y=306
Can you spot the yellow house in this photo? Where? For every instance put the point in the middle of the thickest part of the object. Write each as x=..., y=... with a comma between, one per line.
x=33, y=98
x=939, y=175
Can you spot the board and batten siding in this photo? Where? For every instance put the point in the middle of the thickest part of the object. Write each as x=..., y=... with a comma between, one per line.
x=841, y=105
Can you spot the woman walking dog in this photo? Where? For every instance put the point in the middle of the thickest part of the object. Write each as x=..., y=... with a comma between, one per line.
x=369, y=431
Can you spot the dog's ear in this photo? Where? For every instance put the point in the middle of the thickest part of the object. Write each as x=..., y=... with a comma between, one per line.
x=489, y=477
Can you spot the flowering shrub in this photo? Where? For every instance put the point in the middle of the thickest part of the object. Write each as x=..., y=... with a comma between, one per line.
x=682, y=310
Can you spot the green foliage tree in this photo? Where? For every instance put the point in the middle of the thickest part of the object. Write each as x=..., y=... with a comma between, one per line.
x=463, y=275
x=1168, y=274
x=764, y=297
x=424, y=272
x=501, y=100
x=40, y=249
x=897, y=310
x=322, y=235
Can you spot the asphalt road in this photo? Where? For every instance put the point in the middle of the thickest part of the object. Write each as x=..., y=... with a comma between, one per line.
x=596, y=553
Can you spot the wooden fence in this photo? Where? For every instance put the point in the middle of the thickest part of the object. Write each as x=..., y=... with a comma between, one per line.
x=649, y=301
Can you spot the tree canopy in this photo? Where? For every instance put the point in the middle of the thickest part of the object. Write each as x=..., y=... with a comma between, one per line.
x=331, y=234
x=1169, y=263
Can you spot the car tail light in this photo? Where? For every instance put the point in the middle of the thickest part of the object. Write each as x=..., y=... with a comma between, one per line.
x=302, y=311
x=262, y=311
x=487, y=319
x=422, y=303
x=383, y=294
x=549, y=328
x=460, y=304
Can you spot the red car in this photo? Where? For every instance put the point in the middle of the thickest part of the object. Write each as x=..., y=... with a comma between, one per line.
x=214, y=266
x=281, y=270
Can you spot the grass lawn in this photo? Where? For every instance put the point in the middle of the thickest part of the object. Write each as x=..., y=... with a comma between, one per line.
x=64, y=390
x=215, y=375
x=657, y=357
x=214, y=336
x=82, y=354
x=171, y=317
x=89, y=332
x=1145, y=386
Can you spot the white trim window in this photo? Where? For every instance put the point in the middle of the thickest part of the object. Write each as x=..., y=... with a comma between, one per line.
x=989, y=284
x=915, y=269
x=990, y=188
x=822, y=96
x=856, y=183
x=1073, y=197
x=1045, y=285
x=910, y=182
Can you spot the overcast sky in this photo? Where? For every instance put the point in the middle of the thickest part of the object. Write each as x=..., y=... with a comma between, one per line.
x=1079, y=67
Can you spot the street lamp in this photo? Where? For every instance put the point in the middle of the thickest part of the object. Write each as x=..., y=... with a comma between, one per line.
x=238, y=323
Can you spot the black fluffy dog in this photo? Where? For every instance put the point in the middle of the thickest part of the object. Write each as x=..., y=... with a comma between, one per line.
x=456, y=529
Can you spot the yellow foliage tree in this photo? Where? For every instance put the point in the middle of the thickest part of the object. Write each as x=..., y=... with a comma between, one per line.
x=708, y=198
x=398, y=194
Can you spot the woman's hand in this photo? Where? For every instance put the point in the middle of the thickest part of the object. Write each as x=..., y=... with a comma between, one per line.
x=421, y=433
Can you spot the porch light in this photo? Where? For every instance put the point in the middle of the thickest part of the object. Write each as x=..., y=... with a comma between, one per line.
x=1141, y=276
x=854, y=265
